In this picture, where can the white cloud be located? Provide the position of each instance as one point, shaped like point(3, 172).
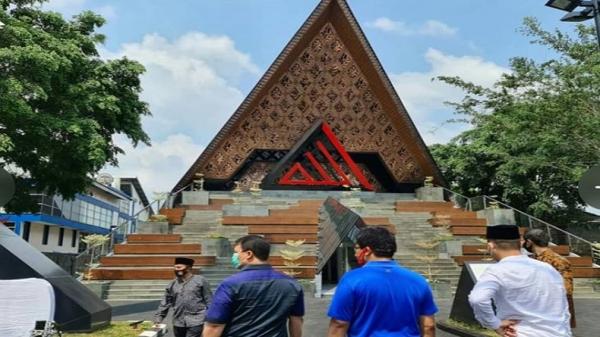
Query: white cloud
point(190, 83)
point(159, 166)
point(64, 5)
point(429, 28)
point(191, 87)
point(437, 28)
point(69, 8)
point(424, 98)
point(388, 25)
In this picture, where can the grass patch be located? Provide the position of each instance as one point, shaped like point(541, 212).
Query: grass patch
point(115, 329)
point(472, 328)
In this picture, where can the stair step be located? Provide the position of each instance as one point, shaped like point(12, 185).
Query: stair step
point(139, 298)
point(153, 238)
point(139, 273)
point(125, 291)
point(458, 222)
point(163, 248)
point(152, 260)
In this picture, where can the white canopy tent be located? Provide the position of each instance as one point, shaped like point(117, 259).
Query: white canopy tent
point(23, 302)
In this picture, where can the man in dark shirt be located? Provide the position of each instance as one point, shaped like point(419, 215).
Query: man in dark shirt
point(189, 295)
point(257, 301)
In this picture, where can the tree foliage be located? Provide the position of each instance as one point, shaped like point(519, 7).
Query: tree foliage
point(535, 132)
point(60, 103)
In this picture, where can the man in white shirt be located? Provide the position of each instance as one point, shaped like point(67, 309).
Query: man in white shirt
point(529, 295)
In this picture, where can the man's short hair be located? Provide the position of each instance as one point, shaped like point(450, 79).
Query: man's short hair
point(507, 244)
point(538, 236)
point(379, 239)
point(256, 244)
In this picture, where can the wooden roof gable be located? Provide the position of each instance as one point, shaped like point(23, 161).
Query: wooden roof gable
point(327, 71)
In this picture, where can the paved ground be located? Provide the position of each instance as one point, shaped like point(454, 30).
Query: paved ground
point(315, 322)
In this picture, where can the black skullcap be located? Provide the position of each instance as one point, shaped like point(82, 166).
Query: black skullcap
point(184, 260)
point(503, 232)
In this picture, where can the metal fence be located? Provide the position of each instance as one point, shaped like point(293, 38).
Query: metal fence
point(459, 200)
point(91, 256)
point(558, 236)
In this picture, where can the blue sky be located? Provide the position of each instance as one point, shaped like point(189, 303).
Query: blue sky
point(203, 58)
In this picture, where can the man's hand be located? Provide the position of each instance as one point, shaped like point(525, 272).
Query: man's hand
point(295, 326)
point(427, 326)
point(507, 328)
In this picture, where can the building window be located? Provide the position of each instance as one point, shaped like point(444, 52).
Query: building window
point(126, 188)
point(124, 206)
point(45, 237)
point(26, 230)
point(61, 235)
point(74, 239)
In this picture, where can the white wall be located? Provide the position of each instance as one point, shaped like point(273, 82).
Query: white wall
point(36, 234)
point(104, 196)
point(138, 206)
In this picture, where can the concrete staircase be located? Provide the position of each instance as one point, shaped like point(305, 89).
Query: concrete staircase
point(148, 256)
point(374, 208)
point(586, 288)
point(152, 290)
point(280, 215)
point(416, 251)
point(141, 268)
point(199, 224)
point(414, 236)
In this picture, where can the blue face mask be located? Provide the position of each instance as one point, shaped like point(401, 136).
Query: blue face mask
point(235, 260)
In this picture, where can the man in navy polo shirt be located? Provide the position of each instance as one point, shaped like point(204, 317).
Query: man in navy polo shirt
point(258, 301)
point(381, 299)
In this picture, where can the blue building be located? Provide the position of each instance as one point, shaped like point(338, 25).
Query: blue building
point(59, 224)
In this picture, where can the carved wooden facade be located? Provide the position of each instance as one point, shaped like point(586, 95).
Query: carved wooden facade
point(328, 72)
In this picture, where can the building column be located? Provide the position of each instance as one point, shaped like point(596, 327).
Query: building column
point(318, 285)
point(18, 227)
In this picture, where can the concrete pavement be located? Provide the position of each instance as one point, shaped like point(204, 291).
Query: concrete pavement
point(316, 320)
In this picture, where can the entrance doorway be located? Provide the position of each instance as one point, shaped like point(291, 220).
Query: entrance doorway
point(341, 261)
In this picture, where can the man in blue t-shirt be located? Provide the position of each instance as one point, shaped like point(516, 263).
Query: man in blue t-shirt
point(381, 299)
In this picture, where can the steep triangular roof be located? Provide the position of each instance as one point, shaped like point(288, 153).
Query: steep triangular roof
point(282, 97)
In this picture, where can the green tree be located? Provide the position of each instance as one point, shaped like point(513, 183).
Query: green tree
point(60, 103)
point(535, 132)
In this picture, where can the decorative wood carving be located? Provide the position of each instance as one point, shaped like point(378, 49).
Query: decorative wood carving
point(324, 83)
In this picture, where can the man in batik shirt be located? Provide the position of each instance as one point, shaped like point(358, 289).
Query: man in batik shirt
point(536, 241)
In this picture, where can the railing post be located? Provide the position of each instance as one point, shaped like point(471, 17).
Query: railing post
point(469, 205)
point(529, 220)
point(484, 202)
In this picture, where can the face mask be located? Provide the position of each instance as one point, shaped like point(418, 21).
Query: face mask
point(179, 273)
point(360, 258)
point(235, 260)
point(527, 247)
